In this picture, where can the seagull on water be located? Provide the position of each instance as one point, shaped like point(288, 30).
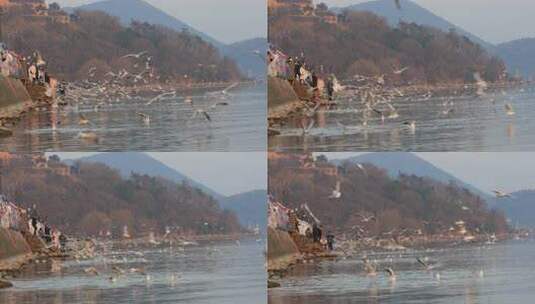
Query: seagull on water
point(509, 109)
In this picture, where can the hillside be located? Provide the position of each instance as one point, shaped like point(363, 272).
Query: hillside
point(411, 164)
point(250, 207)
point(407, 202)
point(413, 13)
point(95, 197)
point(362, 43)
point(139, 10)
point(518, 55)
point(95, 39)
point(141, 163)
point(520, 209)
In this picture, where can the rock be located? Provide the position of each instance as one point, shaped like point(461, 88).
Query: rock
point(5, 284)
point(5, 132)
point(273, 284)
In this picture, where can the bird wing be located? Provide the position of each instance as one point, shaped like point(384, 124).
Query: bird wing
point(207, 116)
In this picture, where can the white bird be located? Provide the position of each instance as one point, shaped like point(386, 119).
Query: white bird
point(509, 109)
point(336, 194)
point(501, 194)
point(390, 273)
point(91, 270)
point(401, 71)
point(480, 84)
point(161, 96)
point(411, 125)
point(202, 113)
point(144, 117)
point(306, 129)
point(138, 55)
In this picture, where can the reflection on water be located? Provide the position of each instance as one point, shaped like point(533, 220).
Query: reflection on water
point(497, 274)
point(475, 124)
point(239, 126)
point(220, 273)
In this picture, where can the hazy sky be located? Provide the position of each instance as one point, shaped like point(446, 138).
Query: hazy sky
point(225, 20)
point(225, 172)
point(493, 20)
point(486, 171)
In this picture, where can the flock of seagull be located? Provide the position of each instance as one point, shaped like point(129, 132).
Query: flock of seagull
point(122, 86)
point(376, 101)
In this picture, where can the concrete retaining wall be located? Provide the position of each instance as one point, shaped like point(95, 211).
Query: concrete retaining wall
point(282, 251)
point(12, 244)
point(14, 97)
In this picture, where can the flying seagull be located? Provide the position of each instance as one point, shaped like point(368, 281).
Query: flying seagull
point(398, 4)
point(336, 194)
point(501, 194)
point(137, 56)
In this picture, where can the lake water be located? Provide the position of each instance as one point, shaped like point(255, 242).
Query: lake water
point(216, 273)
point(500, 273)
point(476, 124)
point(240, 126)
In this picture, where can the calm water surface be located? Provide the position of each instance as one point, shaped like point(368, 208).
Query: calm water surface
point(476, 124)
point(500, 273)
point(240, 126)
point(217, 273)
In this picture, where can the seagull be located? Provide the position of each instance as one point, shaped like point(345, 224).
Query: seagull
point(398, 4)
point(137, 56)
point(369, 267)
point(390, 273)
point(509, 109)
point(91, 270)
point(83, 120)
point(145, 117)
point(336, 194)
point(199, 112)
point(401, 71)
point(89, 136)
point(161, 96)
point(423, 263)
point(306, 129)
point(480, 84)
point(501, 194)
point(411, 124)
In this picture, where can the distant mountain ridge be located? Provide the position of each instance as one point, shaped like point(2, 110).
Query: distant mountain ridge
point(518, 55)
point(412, 12)
point(519, 209)
point(250, 207)
point(129, 10)
point(411, 164)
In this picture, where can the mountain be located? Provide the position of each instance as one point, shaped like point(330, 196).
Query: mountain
point(412, 12)
point(251, 63)
point(409, 163)
point(250, 207)
point(518, 55)
point(128, 10)
point(519, 209)
point(142, 163)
